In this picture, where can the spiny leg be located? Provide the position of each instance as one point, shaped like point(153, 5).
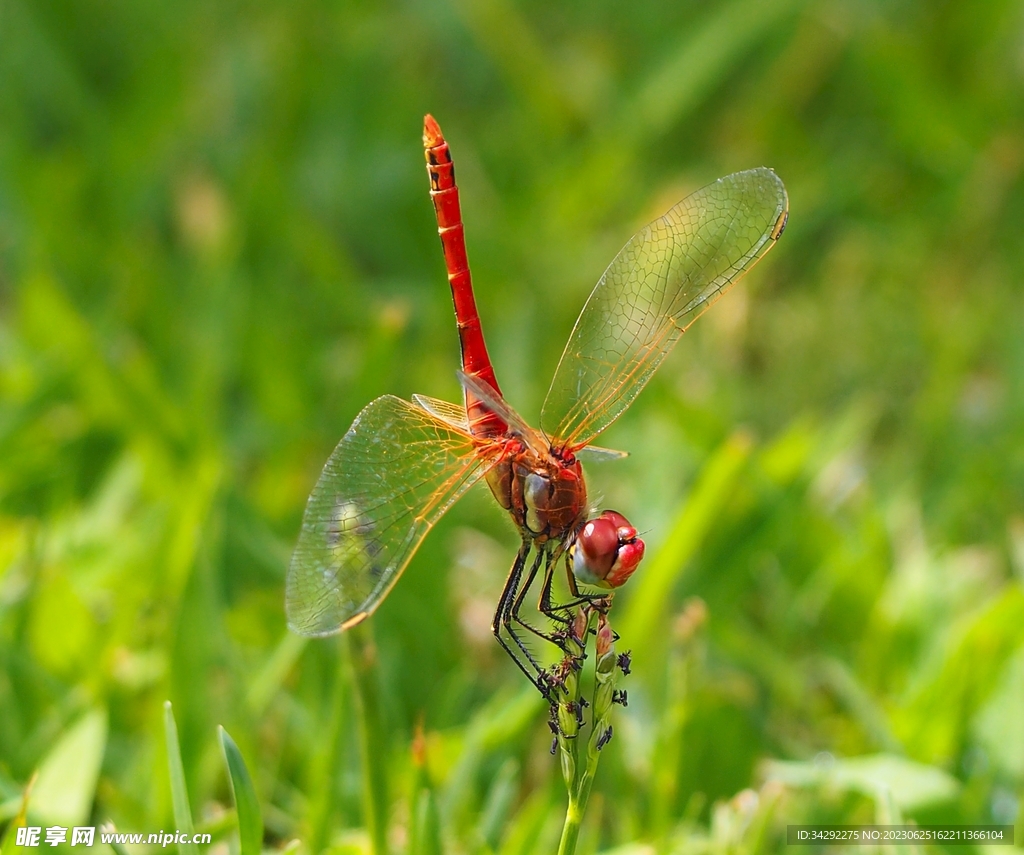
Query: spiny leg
point(512, 610)
point(501, 621)
point(548, 557)
point(558, 611)
point(544, 605)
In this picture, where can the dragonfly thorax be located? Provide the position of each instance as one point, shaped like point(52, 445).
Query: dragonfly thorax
point(545, 494)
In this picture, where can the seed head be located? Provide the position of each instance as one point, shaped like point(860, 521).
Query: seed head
point(605, 636)
point(625, 660)
point(579, 625)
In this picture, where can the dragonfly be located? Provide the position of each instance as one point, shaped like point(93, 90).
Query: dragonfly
point(403, 464)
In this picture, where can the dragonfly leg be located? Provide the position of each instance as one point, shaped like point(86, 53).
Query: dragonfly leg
point(514, 606)
point(503, 621)
point(557, 611)
point(574, 589)
point(544, 604)
point(556, 638)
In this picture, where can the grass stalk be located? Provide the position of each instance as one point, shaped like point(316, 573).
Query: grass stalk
point(179, 792)
point(568, 717)
point(373, 749)
point(323, 782)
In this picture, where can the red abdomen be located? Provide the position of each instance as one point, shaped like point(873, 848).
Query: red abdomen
point(445, 196)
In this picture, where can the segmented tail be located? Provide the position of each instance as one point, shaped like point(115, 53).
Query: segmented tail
point(445, 196)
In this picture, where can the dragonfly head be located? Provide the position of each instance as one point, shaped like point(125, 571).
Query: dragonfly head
point(606, 551)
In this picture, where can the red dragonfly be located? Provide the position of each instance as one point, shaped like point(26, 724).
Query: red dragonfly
point(403, 464)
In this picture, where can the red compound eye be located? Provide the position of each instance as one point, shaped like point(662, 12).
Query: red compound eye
point(606, 551)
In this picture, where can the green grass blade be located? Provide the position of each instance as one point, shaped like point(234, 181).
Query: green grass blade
point(525, 832)
point(119, 848)
point(668, 746)
point(690, 73)
point(644, 614)
point(8, 841)
point(425, 825)
point(887, 812)
point(66, 788)
point(498, 805)
point(373, 748)
point(179, 792)
point(506, 718)
point(268, 681)
point(323, 780)
point(424, 817)
point(250, 821)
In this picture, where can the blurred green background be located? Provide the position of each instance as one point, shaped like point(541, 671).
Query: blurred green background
point(216, 245)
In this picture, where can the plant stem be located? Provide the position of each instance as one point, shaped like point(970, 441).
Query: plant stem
point(362, 657)
point(582, 775)
point(571, 829)
point(323, 780)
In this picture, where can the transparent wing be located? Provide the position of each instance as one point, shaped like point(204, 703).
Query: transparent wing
point(660, 282)
point(453, 415)
point(392, 476)
point(597, 454)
